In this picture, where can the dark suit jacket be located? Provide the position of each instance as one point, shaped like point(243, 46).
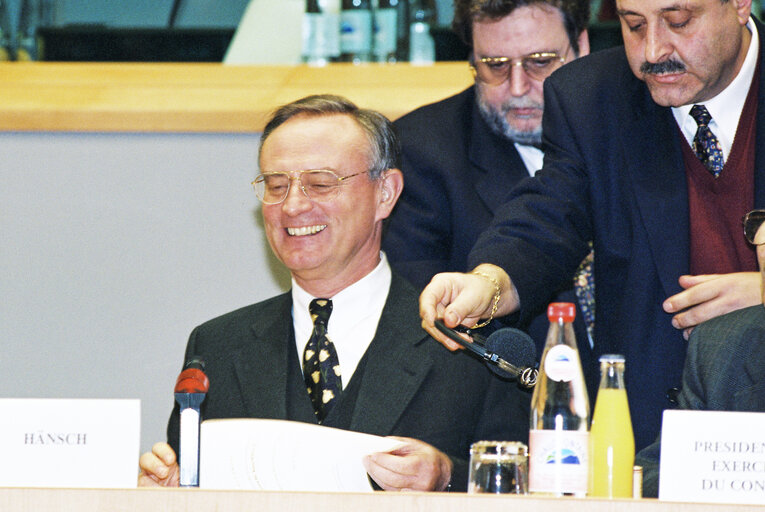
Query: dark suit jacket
point(613, 174)
point(411, 385)
point(457, 172)
point(724, 371)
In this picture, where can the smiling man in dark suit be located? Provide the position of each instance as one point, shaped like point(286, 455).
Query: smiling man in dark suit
point(344, 347)
point(654, 152)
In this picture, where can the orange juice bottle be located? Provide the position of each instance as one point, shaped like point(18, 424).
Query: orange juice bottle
point(612, 445)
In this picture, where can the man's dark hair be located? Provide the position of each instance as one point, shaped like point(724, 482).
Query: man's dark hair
point(576, 13)
point(383, 144)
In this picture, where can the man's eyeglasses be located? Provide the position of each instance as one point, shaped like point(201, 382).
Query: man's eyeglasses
point(316, 184)
point(496, 70)
point(752, 222)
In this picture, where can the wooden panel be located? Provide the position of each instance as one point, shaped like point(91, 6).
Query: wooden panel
point(134, 97)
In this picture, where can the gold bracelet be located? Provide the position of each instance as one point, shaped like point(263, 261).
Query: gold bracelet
point(496, 298)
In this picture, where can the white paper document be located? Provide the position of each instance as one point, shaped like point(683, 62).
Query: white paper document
point(69, 442)
point(713, 457)
point(285, 455)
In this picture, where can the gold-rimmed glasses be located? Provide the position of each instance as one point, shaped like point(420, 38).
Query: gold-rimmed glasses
point(316, 184)
point(752, 222)
point(497, 70)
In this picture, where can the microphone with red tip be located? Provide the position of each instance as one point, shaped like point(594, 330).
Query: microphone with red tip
point(190, 390)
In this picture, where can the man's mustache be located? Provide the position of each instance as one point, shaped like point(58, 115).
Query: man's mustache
point(514, 103)
point(659, 68)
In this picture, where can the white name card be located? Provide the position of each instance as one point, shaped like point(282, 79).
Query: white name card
point(713, 457)
point(69, 442)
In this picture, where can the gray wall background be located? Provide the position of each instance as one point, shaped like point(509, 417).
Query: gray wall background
point(112, 248)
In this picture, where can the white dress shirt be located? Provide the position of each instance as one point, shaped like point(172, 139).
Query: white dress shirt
point(532, 157)
point(726, 107)
point(356, 311)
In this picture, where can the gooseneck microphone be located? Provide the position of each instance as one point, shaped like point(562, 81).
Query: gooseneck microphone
point(190, 390)
point(501, 347)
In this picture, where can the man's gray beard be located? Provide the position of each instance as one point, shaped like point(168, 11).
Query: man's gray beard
point(497, 119)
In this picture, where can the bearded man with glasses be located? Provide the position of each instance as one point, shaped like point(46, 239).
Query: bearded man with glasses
point(461, 155)
point(343, 348)
point(725, 366)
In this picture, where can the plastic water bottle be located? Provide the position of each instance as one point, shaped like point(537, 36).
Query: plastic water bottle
point(422, 48)
point(386, 30)
point(27, 42)
point(321, 32)
point(356, 31)
point(560, 413)
point(6, 43)
point(612, 445)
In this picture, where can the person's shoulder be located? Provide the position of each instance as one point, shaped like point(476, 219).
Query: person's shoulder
point(743, 323)
point(452, 108)
point(601, 70)
point(244, 317)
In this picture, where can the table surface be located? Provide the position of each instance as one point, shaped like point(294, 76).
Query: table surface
point(147, 500)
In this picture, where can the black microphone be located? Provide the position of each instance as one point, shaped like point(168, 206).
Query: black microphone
point(190, 391)
point(501, 347)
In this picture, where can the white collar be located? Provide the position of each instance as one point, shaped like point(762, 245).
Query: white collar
point(356, 311)
point(726, 107)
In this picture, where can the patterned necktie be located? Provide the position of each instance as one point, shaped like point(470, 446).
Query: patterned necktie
point(705, 144)
point(584, 288)
point(321, 368)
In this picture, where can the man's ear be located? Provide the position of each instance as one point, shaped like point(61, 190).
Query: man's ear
point(392, 183)
point(584, 43)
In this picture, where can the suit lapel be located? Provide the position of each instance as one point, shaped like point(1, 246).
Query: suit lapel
point(261, 366)
point(759, 158)
point(496, 163)
point(653, 159)
point(395, 367)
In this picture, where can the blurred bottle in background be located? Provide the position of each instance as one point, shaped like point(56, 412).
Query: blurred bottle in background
point(612, 445)
point(402, 30)
point(321, 32)
point(560, 412)
point(27, 43)
point(422, 48)
point(6, 40)
point(386, 31)
point(356, 31)
point(33, 15)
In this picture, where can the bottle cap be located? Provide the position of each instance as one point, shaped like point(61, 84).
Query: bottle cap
point(611, 358)
point(565, 311)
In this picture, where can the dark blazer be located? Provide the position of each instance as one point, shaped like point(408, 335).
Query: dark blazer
point(457, 172)
point(613, 174)
point(410, 385)
point(724, 371)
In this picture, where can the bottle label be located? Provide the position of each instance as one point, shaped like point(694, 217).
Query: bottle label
point(561, 363)
point(558, 461)
point(356, 31)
